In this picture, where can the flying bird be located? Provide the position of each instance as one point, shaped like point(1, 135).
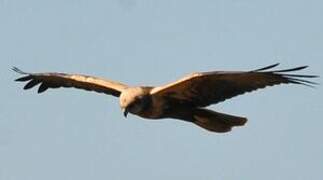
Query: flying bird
point(185, 99)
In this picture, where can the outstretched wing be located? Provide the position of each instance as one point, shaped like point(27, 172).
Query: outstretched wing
point(56, 80)
point(203, 89)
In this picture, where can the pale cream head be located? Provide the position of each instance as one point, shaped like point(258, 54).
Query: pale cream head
point(129, 95)
point(133, 100)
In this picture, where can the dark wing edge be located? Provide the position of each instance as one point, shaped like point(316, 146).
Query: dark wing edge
point(56, 80)
point(290, 78)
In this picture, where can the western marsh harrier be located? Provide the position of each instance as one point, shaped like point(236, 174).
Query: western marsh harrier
point(184, 99)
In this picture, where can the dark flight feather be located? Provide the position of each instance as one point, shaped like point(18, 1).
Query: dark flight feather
point(206, 88)
point(56, 80)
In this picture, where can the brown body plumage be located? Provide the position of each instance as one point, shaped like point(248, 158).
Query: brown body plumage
point(184, 99)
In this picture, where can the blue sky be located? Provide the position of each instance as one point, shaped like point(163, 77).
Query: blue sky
point(72, 134)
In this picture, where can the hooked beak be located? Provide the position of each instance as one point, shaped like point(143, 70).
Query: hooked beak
point(125, 112)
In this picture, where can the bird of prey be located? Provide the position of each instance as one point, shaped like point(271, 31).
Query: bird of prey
point(185, 99)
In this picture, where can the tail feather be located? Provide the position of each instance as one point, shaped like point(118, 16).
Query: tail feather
point(216, 122)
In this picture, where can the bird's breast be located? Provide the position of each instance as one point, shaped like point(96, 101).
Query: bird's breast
point(155, 110)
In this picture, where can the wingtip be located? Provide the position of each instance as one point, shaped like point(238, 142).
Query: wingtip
point(27, 76)
point(282, 70)
point(267, 67)
point(293, 69)
point(17, 70)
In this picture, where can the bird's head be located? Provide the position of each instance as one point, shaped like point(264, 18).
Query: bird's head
point(134, 100)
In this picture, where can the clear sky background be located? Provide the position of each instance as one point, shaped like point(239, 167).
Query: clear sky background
point(70, 134)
